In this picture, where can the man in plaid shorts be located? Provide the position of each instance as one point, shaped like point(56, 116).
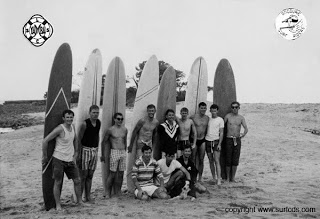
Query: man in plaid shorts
point(117, 136)
point(89, 141)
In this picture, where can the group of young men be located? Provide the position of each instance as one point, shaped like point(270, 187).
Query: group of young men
point(183, 143)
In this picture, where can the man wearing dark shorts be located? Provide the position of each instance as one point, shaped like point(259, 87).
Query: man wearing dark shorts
point(234, 122)
point(64, 156)
point(214, 139)
point(200, 120)
point(186, 126)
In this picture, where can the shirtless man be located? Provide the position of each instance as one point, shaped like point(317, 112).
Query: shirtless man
point(200, 120)
point(186, 125)
point(233, 144)
point(117, 135)
point(146, 130)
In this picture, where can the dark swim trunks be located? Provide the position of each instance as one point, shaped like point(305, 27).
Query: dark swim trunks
point(200, 141)
point(182, 144)
point(233, 151)
point(212, 146)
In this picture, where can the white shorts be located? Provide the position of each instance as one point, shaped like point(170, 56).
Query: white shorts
point(148, 189)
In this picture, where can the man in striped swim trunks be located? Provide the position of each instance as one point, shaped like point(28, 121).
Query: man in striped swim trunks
point(89, 141)
point(145, 172)
point(117, 136)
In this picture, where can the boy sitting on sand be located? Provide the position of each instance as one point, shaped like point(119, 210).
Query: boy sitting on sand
point(144, 172)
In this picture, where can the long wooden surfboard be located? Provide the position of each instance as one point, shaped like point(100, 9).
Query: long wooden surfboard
point(147, 93)
point(114, 100)
point(166, 100)
point(197, 87)
point(58, 100)
point(224, 93)
point(90, 91)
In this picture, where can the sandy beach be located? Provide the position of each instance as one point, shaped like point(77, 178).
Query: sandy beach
point(279, 171)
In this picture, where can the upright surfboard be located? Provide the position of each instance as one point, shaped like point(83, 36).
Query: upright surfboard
point(114, 100)
point(90, 91)
point(147, 93)
point(224, 93)
point(166, 100)
point(197, 87)
point(58, 99)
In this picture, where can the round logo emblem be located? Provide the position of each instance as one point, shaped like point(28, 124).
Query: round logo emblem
point(291, 23)
point(37, 30)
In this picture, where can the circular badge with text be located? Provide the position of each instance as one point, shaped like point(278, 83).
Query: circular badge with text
point(291, 23)
point(37, 30)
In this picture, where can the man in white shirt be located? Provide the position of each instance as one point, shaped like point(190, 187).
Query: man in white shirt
point(174, 174)
point(214, 139)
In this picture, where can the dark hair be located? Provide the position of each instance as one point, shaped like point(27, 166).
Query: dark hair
point(117, 114)
point(93, 107)
point(151, 106)
point(184, 109)
point(214, 106)
point(168, 111)
point(67, 112)
point(170, 153)
point(202, 104)
point(187, 147)
point(145, 148)
point(235, 102)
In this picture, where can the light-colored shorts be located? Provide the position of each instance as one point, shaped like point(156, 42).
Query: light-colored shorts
point(89, 158)
point(148, 189)
point(141, 143)
point(117, 158)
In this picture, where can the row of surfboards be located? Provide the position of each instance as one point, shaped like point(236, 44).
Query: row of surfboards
point(163, 96)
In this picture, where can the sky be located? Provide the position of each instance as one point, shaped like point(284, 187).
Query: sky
point(267, 67)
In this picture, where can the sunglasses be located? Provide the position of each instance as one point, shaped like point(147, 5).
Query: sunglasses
point(120, 119)
point(234, 107)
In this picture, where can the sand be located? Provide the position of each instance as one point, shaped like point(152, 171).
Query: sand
point(279, 168)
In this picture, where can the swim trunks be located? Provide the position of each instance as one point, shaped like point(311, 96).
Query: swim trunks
point(148, 189)
point(212, 146)
point(89, 158)
point(182, 144)
point(117, 158)
point(233, 148)
point(141, 143)
point(200, 141)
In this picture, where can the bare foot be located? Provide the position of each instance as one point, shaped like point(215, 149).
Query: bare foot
point(58, 208)
point(82, 204)
point(107, 196)
point(90, 200)
point(218, 182)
